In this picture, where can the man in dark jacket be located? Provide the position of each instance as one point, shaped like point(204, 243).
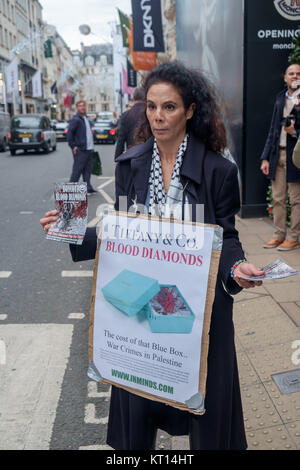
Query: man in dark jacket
point(80, 139)
point(128, 122)
point(278, 166)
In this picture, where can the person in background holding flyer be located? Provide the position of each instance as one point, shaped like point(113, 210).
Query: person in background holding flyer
point(278, 166)
point(180, 157)
point(80, 139)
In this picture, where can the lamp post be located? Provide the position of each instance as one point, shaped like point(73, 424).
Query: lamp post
point(121, 94)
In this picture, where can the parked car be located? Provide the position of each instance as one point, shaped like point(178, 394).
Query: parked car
point(31, 132)
point(107, 116)
point(104, 132)
point(61, 130)
point(91, 117)
point(4, 130)
point(53, 123)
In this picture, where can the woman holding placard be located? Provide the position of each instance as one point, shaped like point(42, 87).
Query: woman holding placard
point(180, 159)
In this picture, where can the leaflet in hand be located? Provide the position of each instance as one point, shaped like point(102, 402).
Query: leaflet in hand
point(276, 270)
point(71, 204)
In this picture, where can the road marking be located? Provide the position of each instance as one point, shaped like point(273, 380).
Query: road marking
point(5, 274)
point(96, 447)
point(111, 180)
point(93, 391)
point(90, 415)
point(106, 196)
point(3, 317)
point(26, 212)
point(101, 209)
point(31, 382)
point(2, 353)
point(76, 316)
point(94, 222)
point(77, 274)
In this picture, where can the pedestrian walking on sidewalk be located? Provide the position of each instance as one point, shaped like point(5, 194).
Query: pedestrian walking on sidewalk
point(80, 139)
point(277, 163)
point(181, 158)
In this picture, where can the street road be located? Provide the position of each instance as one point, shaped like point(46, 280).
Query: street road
point(46, 398)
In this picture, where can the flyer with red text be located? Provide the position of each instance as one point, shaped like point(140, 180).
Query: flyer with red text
point(72, 211)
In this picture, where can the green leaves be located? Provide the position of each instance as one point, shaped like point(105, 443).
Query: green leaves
point(294, 57)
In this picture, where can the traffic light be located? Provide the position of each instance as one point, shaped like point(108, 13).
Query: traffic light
point(48, 48)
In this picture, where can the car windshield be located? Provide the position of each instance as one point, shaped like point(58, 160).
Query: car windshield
point(105, 116)
point(26, 122)
point(102, 123)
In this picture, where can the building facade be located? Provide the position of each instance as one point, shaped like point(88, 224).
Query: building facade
point(43, 80)
point(169, 30)
point(59, 79)
point(31, 58)
point(21, 39)
point(8, 39)
point(120, 62)
point(95, 65)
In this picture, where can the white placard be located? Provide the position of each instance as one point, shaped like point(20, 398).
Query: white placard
point(125, 350)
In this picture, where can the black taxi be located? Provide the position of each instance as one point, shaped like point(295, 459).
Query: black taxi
point(31, 132)
point(104, 132)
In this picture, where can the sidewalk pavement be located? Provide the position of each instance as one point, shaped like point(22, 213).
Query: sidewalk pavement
point(267, 325)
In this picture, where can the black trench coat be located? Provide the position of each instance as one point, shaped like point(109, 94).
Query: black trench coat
point(211, 180)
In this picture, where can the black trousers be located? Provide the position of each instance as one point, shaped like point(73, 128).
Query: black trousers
point(83, 165)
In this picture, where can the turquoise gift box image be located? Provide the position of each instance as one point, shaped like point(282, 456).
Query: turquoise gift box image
point(130, 292)
point(163, 305)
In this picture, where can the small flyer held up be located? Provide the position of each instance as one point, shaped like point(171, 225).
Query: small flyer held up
point(72, 206)
point(150, 304)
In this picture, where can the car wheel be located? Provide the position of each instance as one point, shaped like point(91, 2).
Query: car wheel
point(4, 146)
point(13, 153)
point(46, 149)
point(54, 148)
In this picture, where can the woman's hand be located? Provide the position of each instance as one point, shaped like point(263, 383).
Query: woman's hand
point(247, 270)
point(48, 219)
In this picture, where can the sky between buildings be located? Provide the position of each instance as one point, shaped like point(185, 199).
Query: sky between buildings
point(68, 15)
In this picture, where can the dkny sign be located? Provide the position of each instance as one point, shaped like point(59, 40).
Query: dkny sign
point(147, 26)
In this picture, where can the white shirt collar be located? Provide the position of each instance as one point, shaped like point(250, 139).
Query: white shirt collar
point(294, 95)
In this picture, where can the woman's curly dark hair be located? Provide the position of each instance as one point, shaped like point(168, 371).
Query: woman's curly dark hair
point(193, 87)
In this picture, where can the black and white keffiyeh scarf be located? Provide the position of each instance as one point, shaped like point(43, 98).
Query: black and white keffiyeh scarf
point(160, 203)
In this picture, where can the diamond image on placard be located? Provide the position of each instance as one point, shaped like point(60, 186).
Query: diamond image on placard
point(168, 312)
point(169, 302)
